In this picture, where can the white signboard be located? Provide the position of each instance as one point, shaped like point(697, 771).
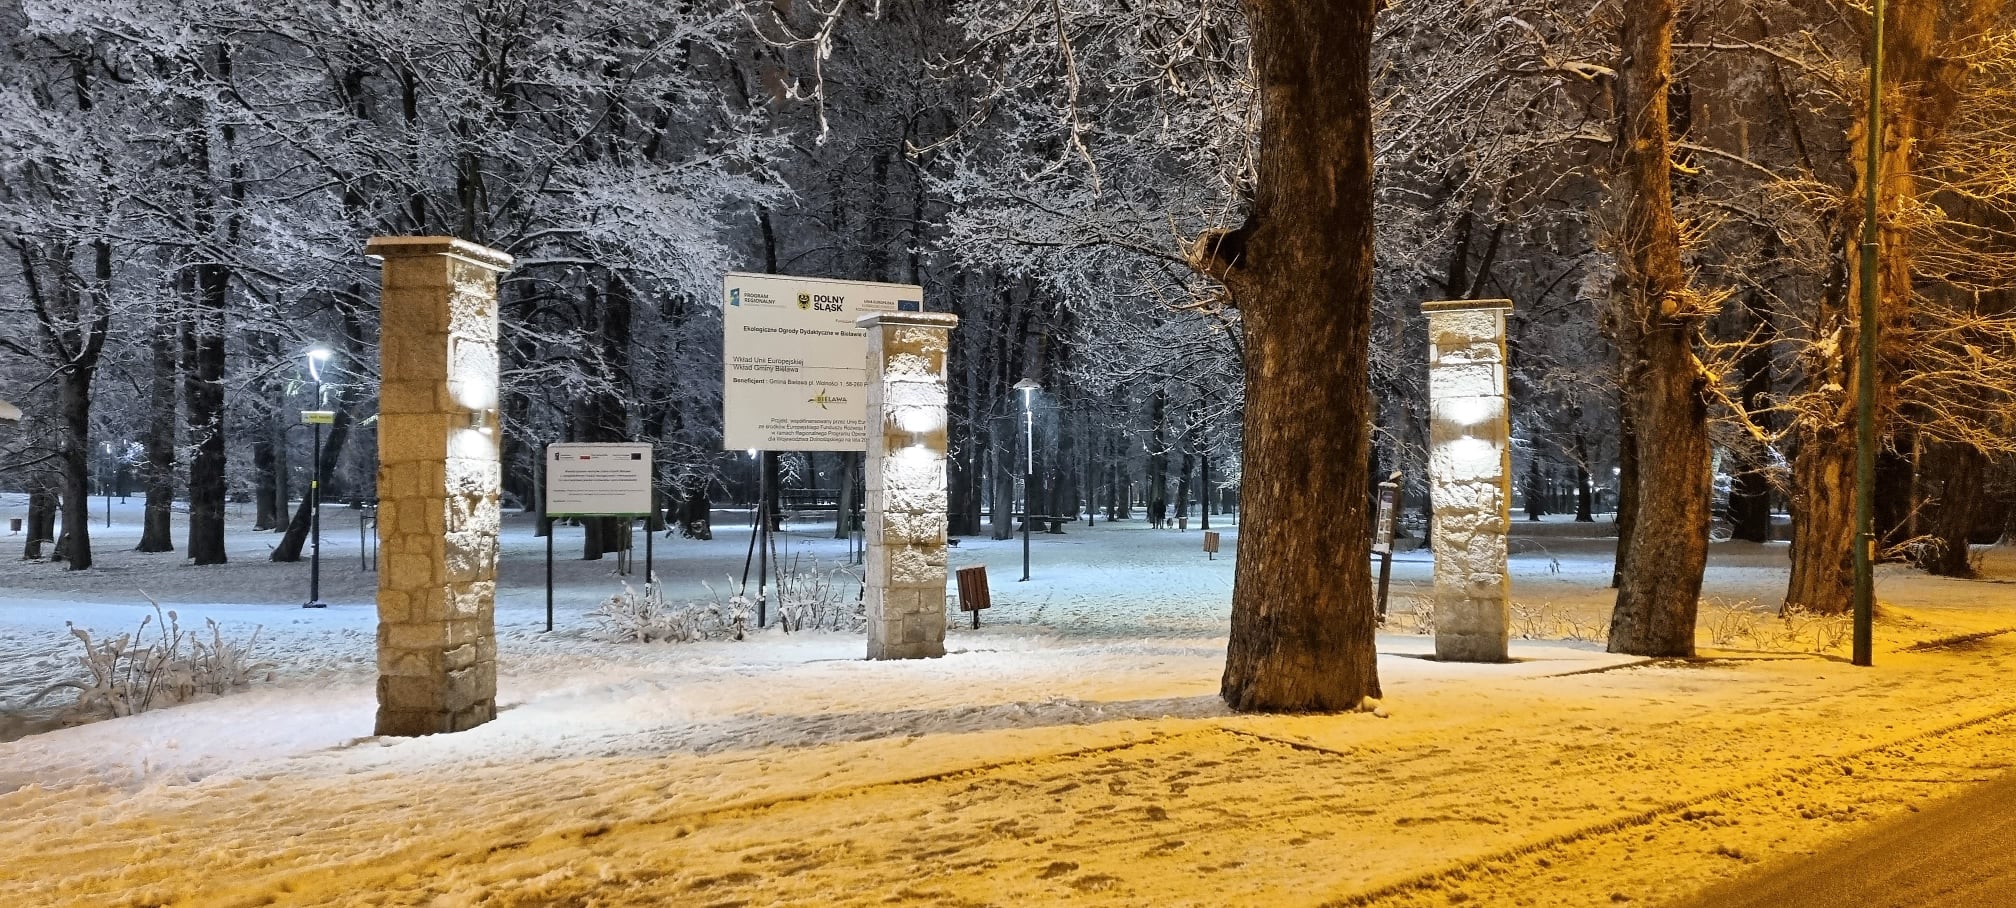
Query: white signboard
point(797, 368)
point(585, 480)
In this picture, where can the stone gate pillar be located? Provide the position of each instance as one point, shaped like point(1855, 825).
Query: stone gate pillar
point(1469, 478)
point(438, 482)
point(906, 483)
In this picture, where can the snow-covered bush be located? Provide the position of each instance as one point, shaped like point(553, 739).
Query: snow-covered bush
point(130, 674)
point(819, 598)
point(631, 616)
point(645, 618)
point(1420, 620)
point(1729, 624)
point(1792, 630)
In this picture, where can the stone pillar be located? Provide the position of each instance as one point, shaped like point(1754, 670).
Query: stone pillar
point(906, 483)
point(438, 482)
point(1469, 478)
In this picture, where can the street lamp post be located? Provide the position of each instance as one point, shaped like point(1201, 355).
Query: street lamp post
point(1864, 592)
point(1028, 387)
point(318, 355)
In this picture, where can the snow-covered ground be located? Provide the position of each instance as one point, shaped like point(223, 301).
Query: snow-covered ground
point(1071, 750)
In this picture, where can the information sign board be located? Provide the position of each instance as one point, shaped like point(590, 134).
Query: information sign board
point(594, 480)
point(796, 366)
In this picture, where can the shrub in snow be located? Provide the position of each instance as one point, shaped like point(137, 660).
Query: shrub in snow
point(644, 618)
point(1420, 620)
point(819, 598)
point(1792, 630)
point(1801, 630)
point(630, 616)
point(130, 674)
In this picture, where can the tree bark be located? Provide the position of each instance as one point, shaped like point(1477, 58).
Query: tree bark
point(1158, 457)
point(1001, 497)
point(1660, 591)
point(157, 472)
point(1951, 475)
point(203, 393)
point(1920, 87)
point(1750, 489)
point(266, 509)
point(850, 466)
point(73, 402)
point(1585, 511)
point(1536, 506)
point(1300, 269)
point(40, 527)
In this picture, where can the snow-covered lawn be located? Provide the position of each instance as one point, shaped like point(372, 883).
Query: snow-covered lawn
point(1072, 750)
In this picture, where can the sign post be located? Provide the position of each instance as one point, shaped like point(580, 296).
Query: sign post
point(597, 480)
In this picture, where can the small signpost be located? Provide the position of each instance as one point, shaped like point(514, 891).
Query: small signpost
point(1211, 545)
point(597, 480)
point(973, 594)
point(1384, 527)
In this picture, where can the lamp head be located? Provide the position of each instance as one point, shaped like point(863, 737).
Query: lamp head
point(318, 355)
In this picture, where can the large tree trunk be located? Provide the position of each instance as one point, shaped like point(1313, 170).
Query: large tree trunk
point(1585, 510)
point(844, 502)
point(1300, 269)
point(1061, 502)
point(73, 396)
point(1661, 581)
point(1920, 89)
point(1951, 478)
point(203, 392)
point(1823, 518)
point(265, 498)
point(1158, 457)
point(1206, 502)
point(157, 472)
point(1001, 492)
point(1750, 489)
point(1627, 486)
point(41, 522)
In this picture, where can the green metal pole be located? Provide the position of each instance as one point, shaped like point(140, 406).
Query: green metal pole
point(1865, 382)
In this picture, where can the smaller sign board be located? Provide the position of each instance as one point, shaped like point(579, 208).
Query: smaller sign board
point(318, 417)
point(598, 480)
point(1382, 528)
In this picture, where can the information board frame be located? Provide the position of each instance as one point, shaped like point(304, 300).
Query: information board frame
point(603, 473)
point(794, 364)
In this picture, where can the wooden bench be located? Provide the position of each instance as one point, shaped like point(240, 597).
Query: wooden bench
point(973, 595)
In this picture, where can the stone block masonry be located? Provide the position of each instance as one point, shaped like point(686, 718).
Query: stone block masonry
point(438, 484)
point(906, 483)
point(1469, 478)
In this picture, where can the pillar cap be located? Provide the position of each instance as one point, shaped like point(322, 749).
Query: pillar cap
point(944, 320)
point(1466, 306)
point(415, 246)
